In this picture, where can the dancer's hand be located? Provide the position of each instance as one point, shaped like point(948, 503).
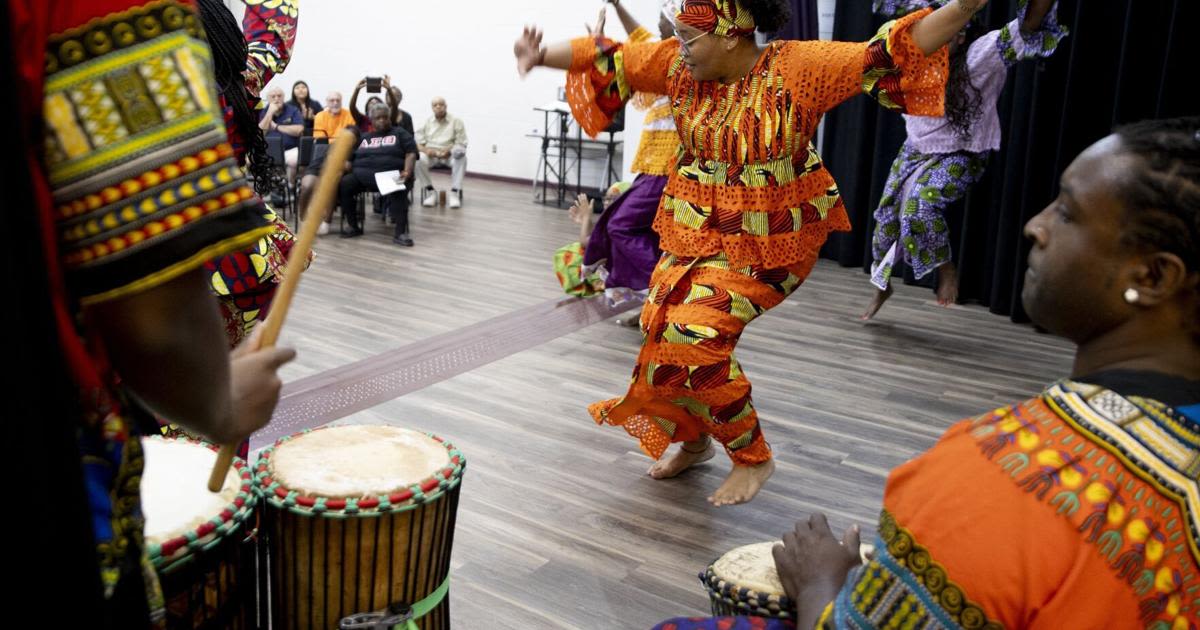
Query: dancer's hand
point(528, 50)
point(599, 30)
point(254, 383)
point(581, 208)
point(812, 565)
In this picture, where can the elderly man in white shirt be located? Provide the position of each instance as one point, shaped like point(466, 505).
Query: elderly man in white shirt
point(442, 141)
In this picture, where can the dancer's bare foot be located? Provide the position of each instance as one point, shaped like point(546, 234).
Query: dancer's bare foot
point(877, 302)
point(947, 290)
point(688, 455)
point(742, 484)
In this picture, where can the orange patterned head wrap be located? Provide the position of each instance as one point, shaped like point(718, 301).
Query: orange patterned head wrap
point(719, 17)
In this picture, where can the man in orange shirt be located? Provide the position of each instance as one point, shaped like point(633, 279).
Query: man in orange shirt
point(333, 118)
point(327, 124)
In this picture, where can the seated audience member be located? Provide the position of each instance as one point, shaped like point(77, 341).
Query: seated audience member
point(308, 106)
point(326, 124)
point(282, 120)
point(308, 183)
point(333, 119)
point(389, 149)
point(364, 121)
point(401, 117)
point(1077, 508)
point(443, 142)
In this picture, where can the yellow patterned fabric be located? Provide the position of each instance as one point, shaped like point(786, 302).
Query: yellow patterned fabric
point(659, 144)
point(658, 147)
point(136, 153)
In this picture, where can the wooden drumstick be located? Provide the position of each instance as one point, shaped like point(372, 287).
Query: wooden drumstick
point(331, 174)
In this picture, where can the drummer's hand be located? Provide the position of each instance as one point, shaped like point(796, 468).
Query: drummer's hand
point(812, 565)
point(255, 383)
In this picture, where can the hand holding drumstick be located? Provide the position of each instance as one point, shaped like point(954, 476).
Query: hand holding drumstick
point(258, 407)
point(254, 382)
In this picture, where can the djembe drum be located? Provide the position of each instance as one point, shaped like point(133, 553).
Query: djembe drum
point(744, 581)
point(360, 519)
point(200, 542)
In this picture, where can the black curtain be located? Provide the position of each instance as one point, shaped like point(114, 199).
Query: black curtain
point(803, 24)
point(1123, 61)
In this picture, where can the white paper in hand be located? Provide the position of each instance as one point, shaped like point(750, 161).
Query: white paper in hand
point(389, 182)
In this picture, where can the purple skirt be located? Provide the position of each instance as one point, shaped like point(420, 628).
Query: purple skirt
point(625, 238)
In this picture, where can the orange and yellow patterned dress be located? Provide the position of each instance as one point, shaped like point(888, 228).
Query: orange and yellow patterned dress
point(745, 212)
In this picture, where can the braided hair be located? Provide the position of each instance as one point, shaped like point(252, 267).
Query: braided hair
point(229, 51)
point(964, 103)
point(770, 16)
point(1162, 194)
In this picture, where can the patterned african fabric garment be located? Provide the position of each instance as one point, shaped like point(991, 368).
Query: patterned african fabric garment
point(1079, 508)
point(568, 268)
point(687, 382)
point(910, 222)
point(623, 246)
point(658, 146)
point(746, 208)
point(136, 186)
point(725, 623)
point(937, 166)
point(245, 281)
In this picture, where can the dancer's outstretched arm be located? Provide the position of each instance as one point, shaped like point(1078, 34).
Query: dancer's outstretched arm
point(1037, 12)
point(938, 28)
point(530, 53)
point(627, 20)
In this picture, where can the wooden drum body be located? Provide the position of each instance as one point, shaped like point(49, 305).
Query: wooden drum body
point(200, 543)
point(333, 552)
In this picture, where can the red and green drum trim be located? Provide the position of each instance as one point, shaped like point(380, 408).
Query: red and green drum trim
point(429, 489)
point(180, 550)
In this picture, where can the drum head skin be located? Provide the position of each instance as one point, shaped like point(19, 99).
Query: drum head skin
point(175, 496)
point(182, 517)
point(751, 567)
point(357, 461)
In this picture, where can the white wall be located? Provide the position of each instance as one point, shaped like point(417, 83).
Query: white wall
point(458, 49)
point(461, 50)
